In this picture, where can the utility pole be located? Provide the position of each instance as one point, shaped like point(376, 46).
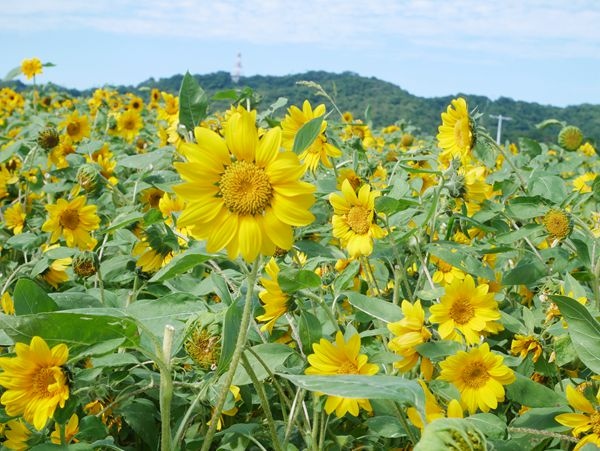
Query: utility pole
point(499, 130)
point(237, 72)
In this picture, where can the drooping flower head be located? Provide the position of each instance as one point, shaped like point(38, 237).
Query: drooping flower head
point(275, 301)
point(17, 435)
point(480, 377)
point(455, 136)
point(341, 357)
point(409, 332)
point(73, 220)
point(587, 422)
point(353, 219)
point(35, 381)
point(242, 193)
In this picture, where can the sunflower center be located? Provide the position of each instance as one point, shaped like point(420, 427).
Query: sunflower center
point(595, 421)
point(462, 133)
point(245, 188)
point(475, 375)
point(443, 266)
point(347, 368)
point(69, 219)
point(42, 381)
point(129, 124)
point(462, 311)
point(359, 219)
point(73, 128)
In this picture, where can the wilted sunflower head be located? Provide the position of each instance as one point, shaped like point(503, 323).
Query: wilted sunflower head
point(88, 177)
point(48, 138)
point(85, 264)
point(202, 341)
point(558, 224)
point(570, 138)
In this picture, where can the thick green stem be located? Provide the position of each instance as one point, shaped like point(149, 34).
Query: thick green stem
point(235, 359)
point(166, 390)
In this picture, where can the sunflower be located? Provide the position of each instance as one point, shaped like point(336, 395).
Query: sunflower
point(433, 411)
point(17, 436)
point(74, 220)
point(151, 197)
point(479, 375)
point(31, 67)
point(129, 124)
point(35, 381)
point(58, 155)
point(242, 193)
point(77, 127)
point(55, 273)
point(170, 205)
point(446, 273)
point(14, 218)
point(341, 357)
point(275, 301)
point(320, 149)
point(524, 344)
point(7, 303)
point(582, 183)
point(71, 429)
point(467, 309)
point(558, 223)
point(409, 332)
point(353, 219)
point(455, 136)
point(151, 260)
point(588, 421)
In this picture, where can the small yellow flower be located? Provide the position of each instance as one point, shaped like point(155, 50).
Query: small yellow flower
point(14, 218)
point(587, 149)
point(76, 126)
point(582, 183)
point(74, 220)
point(129, 124)
point(582, 423)
point(31, 67)
point(275, 301)
point(558, 224)
point(409, 332)
point(524, 344)
point(71, 429)
point(17, 436)
point(8, 305)
point(446, 273)
point(433, 411)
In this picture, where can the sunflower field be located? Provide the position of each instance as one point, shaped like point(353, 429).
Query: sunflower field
point(288, 277)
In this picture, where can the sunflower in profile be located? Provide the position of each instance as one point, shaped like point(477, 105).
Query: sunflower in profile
point(341, 357)
point(409, 333)
point(31, 67)
point(71, 429)
point(17, 435)
point(241, 192)
point(353, 219)
point(35, 381)
point(587, 422)
point(320, 149)
point(455, 135)
point(129, 124)
point(275, 301)
point(14, 218)
point(480, 377)
point(74, 220)
point(7, 304)
point(76, 127)
point(465, 308)
point(56, 272)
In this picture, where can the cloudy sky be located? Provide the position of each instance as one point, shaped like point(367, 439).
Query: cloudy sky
point(542, 51)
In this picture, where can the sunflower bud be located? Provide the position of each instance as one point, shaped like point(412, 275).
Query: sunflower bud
point(85, 264)
point(558, 223)
point(407, 140)
point(570, 138)
point(202, 341)
point(88, 177)
point(48, 138)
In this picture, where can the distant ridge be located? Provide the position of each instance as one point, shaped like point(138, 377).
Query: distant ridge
point(388, 103)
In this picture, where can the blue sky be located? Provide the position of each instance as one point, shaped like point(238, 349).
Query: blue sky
point(541, 51)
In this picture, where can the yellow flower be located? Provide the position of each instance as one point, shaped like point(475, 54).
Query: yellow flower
point(409, 332)
point(581, 183)
point(467, 309)
point(454, 136)
point(524, 344)
point(242, 193)
point(57, 156)
point(476, 189)
point(8, 305)
point(587, 149)
point(17, 436)
point(584, 422)
point(169, 205)
point(433, 411)
point(558, 224)
point(320, 149)
point(341, 357)
point(446, 273)
point(129, 124)
point(275, 302)
point(71, 429)
point(31, 67)
point(353, 219)
point(151, 197)
point(235, 391)
point(76, 126)
point(14, 218)
point(35, 381)
point(74, 220)
point(479, 375)
point(55, 273)
point(150, 259)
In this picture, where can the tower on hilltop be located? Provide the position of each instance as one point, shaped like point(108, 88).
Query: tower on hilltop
point(237, 71)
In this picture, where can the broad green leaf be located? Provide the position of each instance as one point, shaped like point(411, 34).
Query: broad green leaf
point(386, 426)
point(542, 418)
point(438, 350)
point(307, 134)
point(124, 220)
point(530, 147)
point(441, 433)
point(273, 355)
point(346, 278)
point(488, 423)
point(180, 264)
point(24, 241)
point(140, 414)
point(309, 329)
point(143, 160)
point(526, 272)
point(551, 187)
point(29, 298)
point(522, 208)
point(291, 280)
point(533, 394)
point(462, 258)
point(13, 73)
point(193, 102)
point(516, 235)
point(231, 330)
point(377, 308)
point(583, 329)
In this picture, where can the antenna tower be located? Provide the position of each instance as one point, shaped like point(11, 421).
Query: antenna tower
point(237, 71)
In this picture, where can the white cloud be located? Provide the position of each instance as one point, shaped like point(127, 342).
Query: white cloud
point(527, 28)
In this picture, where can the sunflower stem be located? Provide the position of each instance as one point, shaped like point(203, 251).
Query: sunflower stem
point(235, 358)
point(404, 422)
point(315, 426)
point(166, 390)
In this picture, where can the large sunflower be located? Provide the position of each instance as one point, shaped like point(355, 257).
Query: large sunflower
point(320, 149)
point(129, 124)
point(35, 381)
point(341, 357)
point(77, 127)
point(275, 301)
point(454, 135)
point(242, 193)
point(467, 309)
point(353, 219)
point(479, 375)
point(74, 220)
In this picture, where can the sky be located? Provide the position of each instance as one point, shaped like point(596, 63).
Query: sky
point(532, 50)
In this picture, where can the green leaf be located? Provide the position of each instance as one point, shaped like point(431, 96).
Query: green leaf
point(462, 258)
point(533, 394)
point(310, 330)
point(13, 73)
point(307, 134)
point(24, 241)
point(143, 160)
point(273, 356)
point(488, 423)
point(542, 418)
point(231, 330)
point(438, 350)
point(522, 208)
point(583, 329)
point(30, 298)
point(386, 426)
point(516, 235)
point(530, 147)
point(526, 272)
point(193, 102)
point(345, 280)
point(290, 280)
point(443, 432)
point(140, 414)
point(363, 387)
point(124, 220)
point(377, 308)
point(180, 264)
point(549, 187)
